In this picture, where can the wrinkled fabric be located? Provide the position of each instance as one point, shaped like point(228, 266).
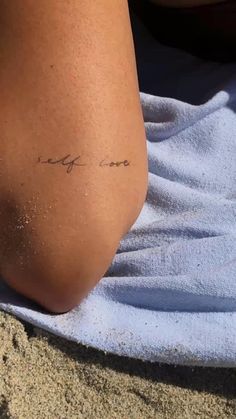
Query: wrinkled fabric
point(170, 292)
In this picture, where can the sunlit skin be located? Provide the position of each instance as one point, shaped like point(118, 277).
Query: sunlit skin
point(74, 169)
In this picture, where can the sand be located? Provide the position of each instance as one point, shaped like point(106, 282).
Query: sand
point(43, 376)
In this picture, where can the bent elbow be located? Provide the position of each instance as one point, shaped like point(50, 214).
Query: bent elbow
point(60, 283)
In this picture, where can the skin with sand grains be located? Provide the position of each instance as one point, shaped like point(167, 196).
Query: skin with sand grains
point(71, 163)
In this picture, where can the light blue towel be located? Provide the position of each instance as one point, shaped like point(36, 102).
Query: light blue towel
point(170, 293)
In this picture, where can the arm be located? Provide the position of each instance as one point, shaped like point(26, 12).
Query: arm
point(73, 149)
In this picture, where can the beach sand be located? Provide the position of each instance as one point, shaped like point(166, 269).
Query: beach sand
point(43, 376)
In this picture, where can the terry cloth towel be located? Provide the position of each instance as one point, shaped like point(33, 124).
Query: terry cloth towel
point(170, 292)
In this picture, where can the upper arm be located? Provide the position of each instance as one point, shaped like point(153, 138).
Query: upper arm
point(68, 86)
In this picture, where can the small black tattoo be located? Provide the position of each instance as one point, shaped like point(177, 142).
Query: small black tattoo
point(70, 164)
point(113, 163)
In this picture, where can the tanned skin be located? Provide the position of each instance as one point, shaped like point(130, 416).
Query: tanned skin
point(73, 157)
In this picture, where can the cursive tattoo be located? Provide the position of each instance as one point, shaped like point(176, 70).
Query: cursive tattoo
point(71, 163)
point(113, 163)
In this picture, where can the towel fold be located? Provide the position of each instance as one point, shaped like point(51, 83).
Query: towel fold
point(170, 292)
